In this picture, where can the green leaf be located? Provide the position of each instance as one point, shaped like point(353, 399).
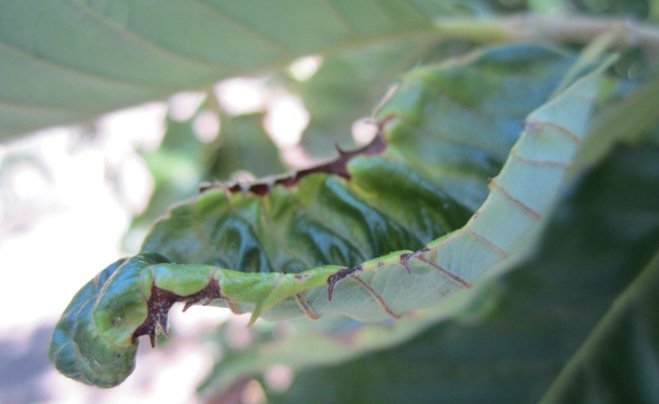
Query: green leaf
point(326, 220)
point(242, 144)
point(183, 161)
point(176, 168)
point(631, 329)
point(575, 322)
point(628, 119)
point(348, 85)
point(256, 252)
point(118, 53)
point(329, 341)
point(79, 347)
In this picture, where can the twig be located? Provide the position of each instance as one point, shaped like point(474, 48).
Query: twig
point(529, 27)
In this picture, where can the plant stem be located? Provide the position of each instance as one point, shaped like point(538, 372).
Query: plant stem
point(530, 27)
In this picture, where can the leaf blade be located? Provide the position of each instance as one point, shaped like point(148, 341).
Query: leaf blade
point(122, 53)
point(222, 231)
point(538, 315)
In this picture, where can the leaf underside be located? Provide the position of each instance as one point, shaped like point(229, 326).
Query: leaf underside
point(123, 52)
point(403, 226)
point(579, 326)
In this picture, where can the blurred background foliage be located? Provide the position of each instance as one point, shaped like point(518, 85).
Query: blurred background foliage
point(574, 326)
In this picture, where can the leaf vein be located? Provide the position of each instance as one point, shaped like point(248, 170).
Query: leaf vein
point(515, 201)
point(142, 40)
point(534, 125)
point(375, 295)
point(545, 163)
point(93, 76)
point(246, 28)
point(306, 307)
point(489, 243)
point(340, 17)
point(450, 275)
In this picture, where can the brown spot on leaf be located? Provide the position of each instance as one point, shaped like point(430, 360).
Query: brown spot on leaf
point(161, 300)
point(340, 274)
point(338, 166)
point(405, 262)
point(210, 292)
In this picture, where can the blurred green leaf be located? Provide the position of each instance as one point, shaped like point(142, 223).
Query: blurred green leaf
point(347, 86)
point(618, 360)
point(639, 9)
point(118, 53)
point(176, 168)
point(242, 144)
point(629, 119)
